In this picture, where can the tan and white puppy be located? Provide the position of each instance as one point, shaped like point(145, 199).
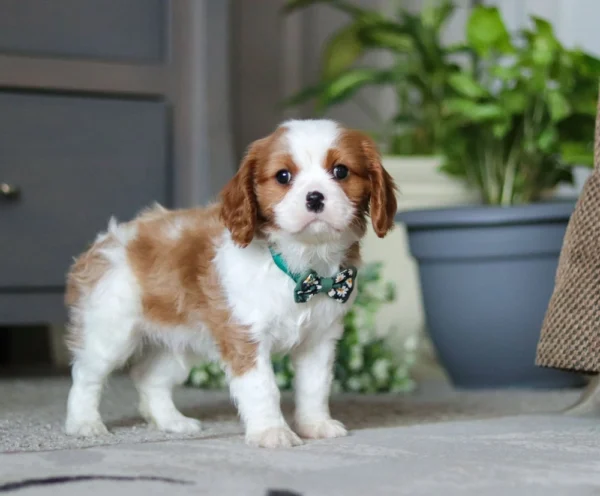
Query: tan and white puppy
point(172, 287)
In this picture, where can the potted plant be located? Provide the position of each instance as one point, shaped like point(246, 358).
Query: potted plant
point(522, 118)
point(411, 136)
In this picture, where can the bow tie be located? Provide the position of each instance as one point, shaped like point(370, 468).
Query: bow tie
point(339, 287)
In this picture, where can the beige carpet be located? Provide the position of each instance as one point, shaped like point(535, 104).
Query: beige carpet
point(32, 411)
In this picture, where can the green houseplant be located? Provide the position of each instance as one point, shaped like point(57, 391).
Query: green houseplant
point(419, 72)
point(522, 118)
point(524, 111)
point(365, 363)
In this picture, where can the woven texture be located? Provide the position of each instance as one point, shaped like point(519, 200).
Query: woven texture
point(570, 336)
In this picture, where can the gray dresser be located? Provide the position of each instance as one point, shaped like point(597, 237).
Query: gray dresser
point(105, 107)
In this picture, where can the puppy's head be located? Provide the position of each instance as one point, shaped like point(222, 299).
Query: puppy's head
point(312, 180)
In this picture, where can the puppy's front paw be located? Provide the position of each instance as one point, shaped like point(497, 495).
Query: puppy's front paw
point(86, 428)
point(321, 429)
point(275, 437)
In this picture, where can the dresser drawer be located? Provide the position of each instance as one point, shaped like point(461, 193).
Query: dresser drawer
point(132, 30)
point(76, 162)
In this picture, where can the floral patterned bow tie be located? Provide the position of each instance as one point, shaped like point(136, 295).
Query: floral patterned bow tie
point(339, 287)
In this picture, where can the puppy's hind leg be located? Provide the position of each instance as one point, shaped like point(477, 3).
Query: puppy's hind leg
point(155, 375)
point(106, 344)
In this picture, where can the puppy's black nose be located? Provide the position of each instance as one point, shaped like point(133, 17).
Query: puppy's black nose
point(314, 201)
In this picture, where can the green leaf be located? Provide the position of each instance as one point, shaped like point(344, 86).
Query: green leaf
point(545, 31)
point(501, 129)
point(582, 104)
point(385, 34)
point(548, 139)
point(345, 85)
point(434, 15)
point(558, 106)
point(453, 168)
point(506, 73)
point(589, 65)
point(576, 152)
point(486, 31)
point(342, 50)
point(544, 43)
point(514, 101)
point(464, 84)
point(580, 70)
point(458, 48)
point(339, 88)
point(473, 111)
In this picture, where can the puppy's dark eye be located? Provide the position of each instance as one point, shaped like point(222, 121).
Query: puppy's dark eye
point(340, 171)
point(283, 176)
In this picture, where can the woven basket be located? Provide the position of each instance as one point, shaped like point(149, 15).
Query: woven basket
point(570, 336)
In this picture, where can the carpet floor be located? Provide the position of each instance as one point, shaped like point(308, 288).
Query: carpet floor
point(32, 411)
point(434, 442)
point(547, 455)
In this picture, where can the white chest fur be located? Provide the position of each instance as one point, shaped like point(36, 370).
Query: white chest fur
point(261, 296)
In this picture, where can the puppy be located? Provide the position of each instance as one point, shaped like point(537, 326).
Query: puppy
point(269, 268)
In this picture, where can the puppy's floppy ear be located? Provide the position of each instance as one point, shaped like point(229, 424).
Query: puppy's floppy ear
point(239, 207)
point(383, 204)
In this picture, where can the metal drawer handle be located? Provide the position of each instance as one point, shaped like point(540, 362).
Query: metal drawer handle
point(9, 191)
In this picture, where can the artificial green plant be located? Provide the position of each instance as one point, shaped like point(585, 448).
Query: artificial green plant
point(524, 112)
point(420, 66)
point(365, 363)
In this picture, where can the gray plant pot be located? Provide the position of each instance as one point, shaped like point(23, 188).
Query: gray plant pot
point(487, 275)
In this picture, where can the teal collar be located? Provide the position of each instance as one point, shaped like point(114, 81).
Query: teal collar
point(280, 262)
point(339, 287)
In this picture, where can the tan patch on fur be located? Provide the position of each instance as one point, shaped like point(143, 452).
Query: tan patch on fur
point(180, 284)
point(356, 185)
point(353, 256)
point(269, 192)
point(247, 199)
point(84, 275)
point(368, 185)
